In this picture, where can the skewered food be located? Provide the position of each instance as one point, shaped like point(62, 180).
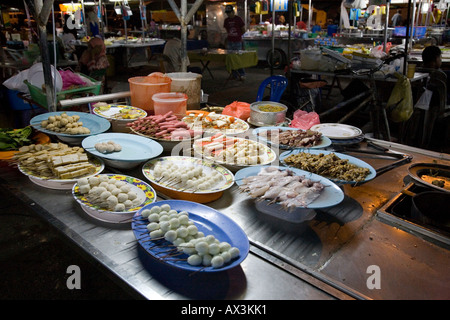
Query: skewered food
point(108, 193)
point(330, 166)
point(64, 123)
point(186, 177)
point(162, 127)
point(282, 186)
point(176, 228)
point(231, 150)
point(293, 138)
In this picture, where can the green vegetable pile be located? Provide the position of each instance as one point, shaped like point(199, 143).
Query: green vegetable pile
point(11, 139)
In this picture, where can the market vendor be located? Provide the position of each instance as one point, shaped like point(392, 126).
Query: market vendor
point(93, 61)
point(235, 27)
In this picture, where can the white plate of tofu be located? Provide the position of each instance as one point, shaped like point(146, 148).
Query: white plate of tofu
point(58, 166)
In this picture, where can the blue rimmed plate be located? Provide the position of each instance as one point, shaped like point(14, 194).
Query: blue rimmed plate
point(134, 147)
point(208, 220)
point(93, 122)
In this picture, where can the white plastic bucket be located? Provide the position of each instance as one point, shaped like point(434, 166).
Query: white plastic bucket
point(189, 83)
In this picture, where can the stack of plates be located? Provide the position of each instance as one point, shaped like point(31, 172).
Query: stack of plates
point(340, 133)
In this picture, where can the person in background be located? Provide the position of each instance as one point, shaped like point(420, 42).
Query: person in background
point(172, 49)
point(93, 61)
point(235, 27)
point(397, 18)
point(432, 62)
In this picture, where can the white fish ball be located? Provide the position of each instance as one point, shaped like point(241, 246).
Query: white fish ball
point(170, 235)
point(192, 230)
point(117, 147)
point(153, 217)
point(125, 188)
point(109, 148)
point(170, 212)
point(131, 195)
point(128, 203)
point(214, 249)
point(112, 201)
point(115, 191)
point(145, 213)
point(184, 213)
point(82, 181)
point(119, 207)
point(155, 209)
point(178, 241)
point(195, 260)
point(122, 197)
point(234, 252)
point(164, 225)
point(187, 248)
point(94, 181)
point(103, 178)
point(226, 256)
point(206, 260)
point(182, 232)
point(200, 235)
point(174, 223)
point(152, 226)
point(165, 207)
point(224, 246)
point(120, 183)
point(84, 188)
point(163, 217)
point(202, 247)
point(217, 261)
point(210, 239)
point(105, 195)
point(104, 184)
point(184, 220)
point(156, 234)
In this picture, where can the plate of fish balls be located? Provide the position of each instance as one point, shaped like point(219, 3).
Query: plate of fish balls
point(113, 198)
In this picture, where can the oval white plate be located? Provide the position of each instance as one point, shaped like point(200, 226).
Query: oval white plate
point(323, 144)
point(337, 130)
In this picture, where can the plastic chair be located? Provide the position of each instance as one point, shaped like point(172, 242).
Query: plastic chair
point(277, 86)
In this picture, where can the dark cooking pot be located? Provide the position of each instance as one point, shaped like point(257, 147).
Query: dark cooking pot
point(431, 207)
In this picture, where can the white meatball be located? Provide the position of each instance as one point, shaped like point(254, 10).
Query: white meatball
point(192, 230)
point(155, 209)
point(170, 235)
point(153, 217)
point(125, 188)
point(132, 195)
point(226, 256)
point(202, 247)
point(164, 225)
point(112, 201)
point(165, 207)
point(94, 181)
point(152, 226)
point(214, 249)
point(156, 234)
point(145, 213)
point(217, 261)
point(206, 260)
point(234, 252)
point(128, 203)
point(195, 260)
point(119, 207)
point(105, 195)
point(84, 188)
point(122, 197)
point(83, 181)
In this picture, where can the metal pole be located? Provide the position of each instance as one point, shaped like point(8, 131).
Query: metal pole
point(386, 23)
point(273, 38)
point(408, 23)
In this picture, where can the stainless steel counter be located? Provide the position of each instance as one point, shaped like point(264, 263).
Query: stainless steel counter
point(329, 257)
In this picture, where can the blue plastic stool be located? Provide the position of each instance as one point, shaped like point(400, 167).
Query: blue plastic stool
point(277, 86)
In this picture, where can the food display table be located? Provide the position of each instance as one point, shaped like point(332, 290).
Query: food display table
point(334, 256)
point(233, 59)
